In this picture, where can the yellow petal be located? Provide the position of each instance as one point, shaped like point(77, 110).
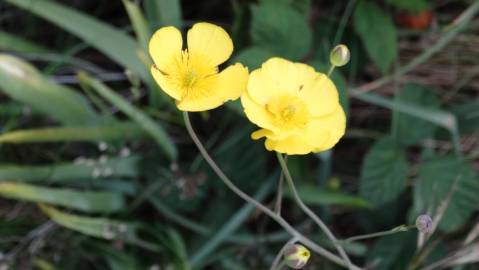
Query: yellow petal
point(260, 134)
point(320, 134)
point(172, 90)
point(294, 145)
point(277, 77)
point(214, 90)
point(334, 124)
point(165, 46)
point(321, 96)
point(256, 113)
point(210, 42)
point(232, 81)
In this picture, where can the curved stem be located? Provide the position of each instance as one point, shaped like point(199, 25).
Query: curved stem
point(301, 238)
point(281, 265)
point(277, 261)
point(310, 213)
point(402, 228)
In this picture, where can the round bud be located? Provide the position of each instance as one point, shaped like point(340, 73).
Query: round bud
point(424, 223)
point(296, 256)
point(339, 56)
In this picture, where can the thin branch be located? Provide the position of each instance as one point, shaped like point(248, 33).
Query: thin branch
point(279, 256)
point(301, 238)
point(310, 213)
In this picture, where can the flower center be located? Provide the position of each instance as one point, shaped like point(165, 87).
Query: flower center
point(289, 112)
point(189, 78)
point(189, 71)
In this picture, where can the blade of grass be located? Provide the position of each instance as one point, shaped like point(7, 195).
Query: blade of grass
point(138, 22)
point(114, 131)
point(111, 41)
point(143, 120)
point(164, 12)
point(199, 257)
point(14, 43)
point(439, 117)
point(67, 172)
point(88, 201)
point(24, 83)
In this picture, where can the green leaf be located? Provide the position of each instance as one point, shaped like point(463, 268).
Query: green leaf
point(15, 43)
point(111, 41)
point(467, 115)
point(253, 57)
point(111, 132)
point(97, 227)
point(281, 30)
point(312, 195)
point(22, 82)
point(67, 172)
point(411, 129)
point(234, 222)
point(139, 23)
point(393, 252)
point(439, 117)
point(409, 5)
point(384, 172)
point(142, 119)
point(88, 201)
point(377, 33)
point(436, 179)
point(164, 12)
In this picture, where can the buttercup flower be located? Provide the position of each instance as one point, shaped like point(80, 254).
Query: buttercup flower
point(296, 107)
point(190, 76)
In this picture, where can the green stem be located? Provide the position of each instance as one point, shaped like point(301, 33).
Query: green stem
point(330, 71)
point(281, 265)
point(301, 238)
point(278, 263)
point(402, 228)
point(310, 213)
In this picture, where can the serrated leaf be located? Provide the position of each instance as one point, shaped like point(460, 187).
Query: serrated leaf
point(377, 33)
point(384, 172)
point(281, 30)
point(411, 129)
point(88, 201)
point(436, 178)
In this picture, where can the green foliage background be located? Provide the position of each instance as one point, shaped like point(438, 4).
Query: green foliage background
point(98, 172)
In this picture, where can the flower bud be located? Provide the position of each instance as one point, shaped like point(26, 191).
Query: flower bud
point(296, 256)
point(339, 56)
point(424, 223)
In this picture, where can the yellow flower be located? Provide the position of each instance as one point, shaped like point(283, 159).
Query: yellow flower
point(297, 108)
point(190, 76)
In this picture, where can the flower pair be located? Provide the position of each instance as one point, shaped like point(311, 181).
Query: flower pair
point(296, 107)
